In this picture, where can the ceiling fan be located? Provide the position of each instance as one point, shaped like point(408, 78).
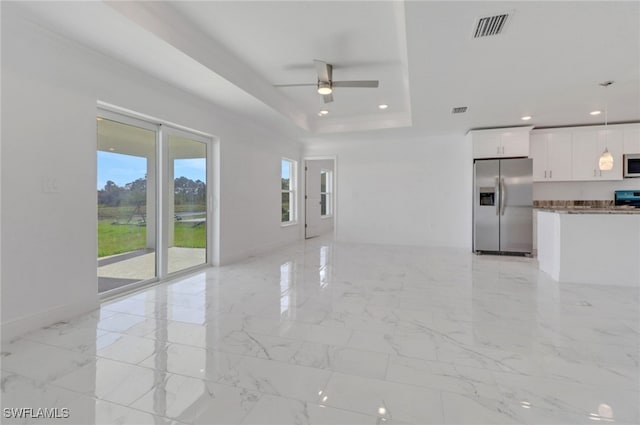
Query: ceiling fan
point(325, 83)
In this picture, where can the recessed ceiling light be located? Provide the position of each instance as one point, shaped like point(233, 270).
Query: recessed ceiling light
point(595, 112)
point(383, 106)
point(526, 118)
point(323, 112)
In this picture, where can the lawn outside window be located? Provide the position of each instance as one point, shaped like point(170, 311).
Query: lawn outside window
point(288, 172)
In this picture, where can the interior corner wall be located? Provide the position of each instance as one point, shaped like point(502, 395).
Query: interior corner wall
point(413, 191)
point(50, 89)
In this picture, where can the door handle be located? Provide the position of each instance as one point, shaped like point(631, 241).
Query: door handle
point(503, 195)
point(550, 174)
point(545, 174)
point(498, 195)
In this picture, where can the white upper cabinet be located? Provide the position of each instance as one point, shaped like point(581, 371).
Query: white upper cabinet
point(632, 139)
point(486, 144)
point(538, 152)
point(588, 145)
point(501, 143)
point(552, 156)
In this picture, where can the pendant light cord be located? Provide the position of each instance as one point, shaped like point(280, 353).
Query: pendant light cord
point(606, 85)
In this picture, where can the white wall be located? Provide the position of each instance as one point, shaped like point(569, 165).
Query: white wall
point(49, 92)
point(413, 191)
point(567, 191)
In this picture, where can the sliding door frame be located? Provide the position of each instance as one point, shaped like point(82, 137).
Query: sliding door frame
point(162, 131)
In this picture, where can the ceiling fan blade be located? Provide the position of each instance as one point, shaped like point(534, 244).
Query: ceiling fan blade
point(324, 70)
point(327, 98)
point(363, 83)
point(295, 85)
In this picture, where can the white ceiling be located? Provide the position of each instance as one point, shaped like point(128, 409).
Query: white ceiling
point(547, 63)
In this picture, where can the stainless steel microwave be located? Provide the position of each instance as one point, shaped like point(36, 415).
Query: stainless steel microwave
point(631, 165)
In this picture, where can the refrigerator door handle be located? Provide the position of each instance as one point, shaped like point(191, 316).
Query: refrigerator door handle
point(498, 195)
point(503, 195)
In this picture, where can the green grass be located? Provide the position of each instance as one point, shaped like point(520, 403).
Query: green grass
point(116, 239)
point(187, 236)
point(120, 238)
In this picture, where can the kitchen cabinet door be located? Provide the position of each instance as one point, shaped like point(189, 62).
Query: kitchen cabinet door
point(559, 156)
point(515, 143)
point(584, 159)
point(538, 153)
point(588, 145)
point(632, 139)
point(486, 144)
point(613, 140)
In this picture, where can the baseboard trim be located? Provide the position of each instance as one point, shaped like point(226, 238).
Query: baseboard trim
point(23, 325)
point(254, 252)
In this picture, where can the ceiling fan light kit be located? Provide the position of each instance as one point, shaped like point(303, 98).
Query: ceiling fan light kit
point(325, 83)
point(324, 88)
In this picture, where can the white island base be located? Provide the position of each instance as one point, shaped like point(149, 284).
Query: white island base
point(590, 247)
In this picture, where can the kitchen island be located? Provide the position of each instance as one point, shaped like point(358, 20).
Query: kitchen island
point(591, 245)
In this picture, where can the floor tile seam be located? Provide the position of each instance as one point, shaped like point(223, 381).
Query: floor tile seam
point(190, 307)
point(319, 404)
point(411, 386)
point(48, 344)
point(584, 385)
point(49, 383)
point(607, 344)
point(219, 380)
point(97, 356)
point(134, 408)
point(289, 363)
point(29, 334)
point(288, 338)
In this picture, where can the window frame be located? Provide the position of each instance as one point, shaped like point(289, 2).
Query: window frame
point(328, 193)
point(292, 191)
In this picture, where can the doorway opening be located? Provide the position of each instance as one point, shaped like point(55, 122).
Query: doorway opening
point(319, 196)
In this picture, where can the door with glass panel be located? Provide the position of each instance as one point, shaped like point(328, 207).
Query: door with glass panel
point(186, 190)
point(126, 197)
point(143, 236)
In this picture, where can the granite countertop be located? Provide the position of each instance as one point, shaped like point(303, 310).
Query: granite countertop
point(590, 210)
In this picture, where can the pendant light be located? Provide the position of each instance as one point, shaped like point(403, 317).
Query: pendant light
point(606, 159)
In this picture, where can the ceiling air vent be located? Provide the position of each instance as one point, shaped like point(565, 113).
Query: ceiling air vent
point(459, 110)
point(490, 25)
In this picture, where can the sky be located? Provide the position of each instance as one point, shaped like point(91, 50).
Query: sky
point(286, 172)
point(123, 169)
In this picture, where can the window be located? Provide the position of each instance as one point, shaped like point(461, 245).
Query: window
point(326, 209)
point(288, 183)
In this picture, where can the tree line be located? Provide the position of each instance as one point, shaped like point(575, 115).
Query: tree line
point(186, 191)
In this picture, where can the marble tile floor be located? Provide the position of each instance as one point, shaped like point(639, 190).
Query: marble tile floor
point(333, 333)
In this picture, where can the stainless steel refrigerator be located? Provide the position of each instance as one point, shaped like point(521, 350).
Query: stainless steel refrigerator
point(502, 206)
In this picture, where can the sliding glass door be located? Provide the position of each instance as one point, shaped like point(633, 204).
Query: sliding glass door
point(152, 201)
point(127, 242)
point(187, 203)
